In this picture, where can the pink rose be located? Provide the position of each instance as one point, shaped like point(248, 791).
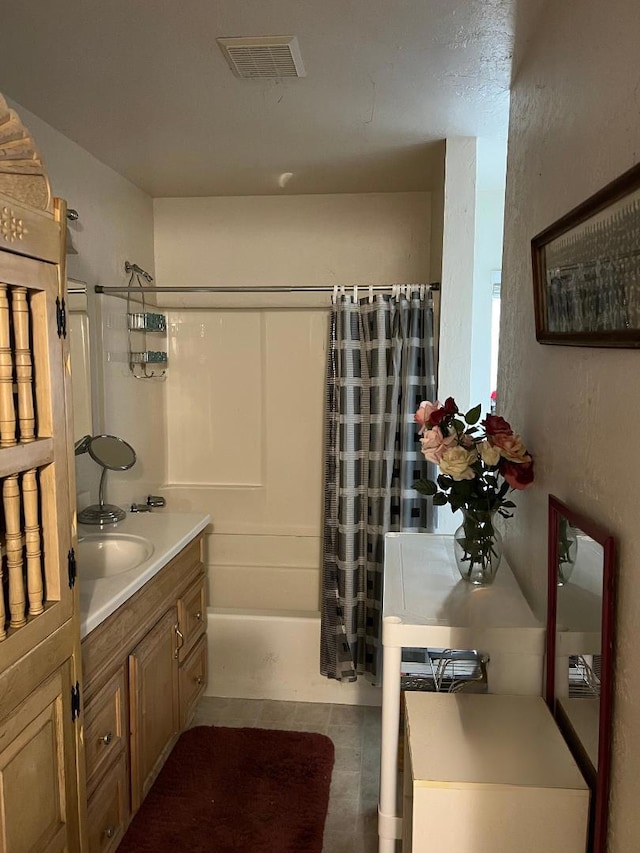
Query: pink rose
point(511, 447)
point(434, 444)
point(424, 413)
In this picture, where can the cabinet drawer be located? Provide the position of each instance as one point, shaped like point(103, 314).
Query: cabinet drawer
point(193, 680)
point(192, 615)
point(105, 725)
point(107, 810)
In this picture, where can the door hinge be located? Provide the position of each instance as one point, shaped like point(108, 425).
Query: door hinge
point(71, 558)
point(61, 317)
point(75, 702)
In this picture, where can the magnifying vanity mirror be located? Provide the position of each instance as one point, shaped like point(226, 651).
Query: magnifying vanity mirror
point(114, 454)
point(580, 639)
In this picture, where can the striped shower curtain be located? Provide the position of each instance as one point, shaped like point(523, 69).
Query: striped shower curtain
point(381, 365)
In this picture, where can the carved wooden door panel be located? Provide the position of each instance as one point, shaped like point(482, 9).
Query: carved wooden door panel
point(40, 669)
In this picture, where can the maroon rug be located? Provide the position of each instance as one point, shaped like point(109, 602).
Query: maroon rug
point(249, 790)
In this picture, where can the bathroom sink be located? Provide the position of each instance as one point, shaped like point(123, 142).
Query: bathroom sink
point(101, 555)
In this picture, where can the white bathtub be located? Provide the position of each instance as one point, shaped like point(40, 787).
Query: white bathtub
point(263, 654)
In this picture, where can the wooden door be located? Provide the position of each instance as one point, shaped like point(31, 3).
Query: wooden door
point(38, 798)
point(154, 713)
point(42, 796)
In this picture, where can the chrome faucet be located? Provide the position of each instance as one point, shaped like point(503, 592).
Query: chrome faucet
point(152, 502)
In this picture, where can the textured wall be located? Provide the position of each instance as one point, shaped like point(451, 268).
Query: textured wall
point(115, 224)
point(575, 126)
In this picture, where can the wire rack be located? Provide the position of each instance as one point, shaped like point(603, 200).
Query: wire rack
point(444, 670)
point(584, 676)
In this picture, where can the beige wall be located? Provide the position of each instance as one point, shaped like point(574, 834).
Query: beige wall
point(574, 127)
point(115, 224)
point(245, 388)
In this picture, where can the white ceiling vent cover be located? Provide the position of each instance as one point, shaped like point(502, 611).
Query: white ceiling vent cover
point(271, 57)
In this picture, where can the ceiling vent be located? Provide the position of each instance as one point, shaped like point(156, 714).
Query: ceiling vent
point(270, 57)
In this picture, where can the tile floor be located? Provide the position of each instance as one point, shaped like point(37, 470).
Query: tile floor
point(351, 825)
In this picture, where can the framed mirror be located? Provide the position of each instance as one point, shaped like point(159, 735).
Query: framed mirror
point(580, 649)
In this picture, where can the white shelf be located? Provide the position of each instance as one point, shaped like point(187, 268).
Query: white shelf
point(489, 773)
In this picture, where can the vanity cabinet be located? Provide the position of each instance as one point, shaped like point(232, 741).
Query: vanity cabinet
point(145, 668)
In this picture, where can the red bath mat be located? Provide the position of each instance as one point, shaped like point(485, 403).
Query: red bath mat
point(237, 790)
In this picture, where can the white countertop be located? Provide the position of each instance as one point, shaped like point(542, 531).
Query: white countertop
point(168, 531)
point(424, 596)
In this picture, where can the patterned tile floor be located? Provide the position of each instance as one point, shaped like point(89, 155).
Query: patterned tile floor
point(351, 825)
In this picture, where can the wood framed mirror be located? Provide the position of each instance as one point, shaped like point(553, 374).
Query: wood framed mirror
point(580, 649)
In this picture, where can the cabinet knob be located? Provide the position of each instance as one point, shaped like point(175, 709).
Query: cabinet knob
point(106, 739)
point(199, 680)
point(198, 615)
point(109, 832)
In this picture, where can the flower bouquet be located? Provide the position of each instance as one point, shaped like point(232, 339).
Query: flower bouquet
point(478, 466)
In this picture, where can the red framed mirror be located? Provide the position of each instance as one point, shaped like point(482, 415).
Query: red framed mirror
point(580, 649)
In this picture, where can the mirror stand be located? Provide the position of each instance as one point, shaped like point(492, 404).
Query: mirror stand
point(111, 453)
point(101, 513)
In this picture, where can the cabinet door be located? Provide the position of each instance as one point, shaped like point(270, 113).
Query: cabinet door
point(154, 707)
point(38, 798)
point(42, 763)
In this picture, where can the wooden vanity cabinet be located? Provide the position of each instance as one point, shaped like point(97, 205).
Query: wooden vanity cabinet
point(144, 667)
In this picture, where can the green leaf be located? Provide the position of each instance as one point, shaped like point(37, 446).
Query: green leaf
point(439, 499)
point(509, 504)
point(473, 415)
point(425, 487)
point(458, 425)
point(445, 482)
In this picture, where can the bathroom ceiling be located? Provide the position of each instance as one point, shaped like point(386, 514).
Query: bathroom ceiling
point(145, 88)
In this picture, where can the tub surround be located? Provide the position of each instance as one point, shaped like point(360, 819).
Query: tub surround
point(169, 532)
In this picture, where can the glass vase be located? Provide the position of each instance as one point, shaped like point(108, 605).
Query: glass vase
point(477, 545)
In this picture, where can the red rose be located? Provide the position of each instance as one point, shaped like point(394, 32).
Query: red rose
point(519, 475)
point(447, 410)
point(436, 417)
point(495, 425)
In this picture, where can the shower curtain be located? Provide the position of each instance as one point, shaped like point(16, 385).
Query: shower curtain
point(381, 364)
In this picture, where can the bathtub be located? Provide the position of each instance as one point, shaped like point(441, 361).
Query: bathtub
point(274, 654)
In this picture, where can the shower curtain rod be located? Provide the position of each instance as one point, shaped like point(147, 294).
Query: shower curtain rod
point(329, 288)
